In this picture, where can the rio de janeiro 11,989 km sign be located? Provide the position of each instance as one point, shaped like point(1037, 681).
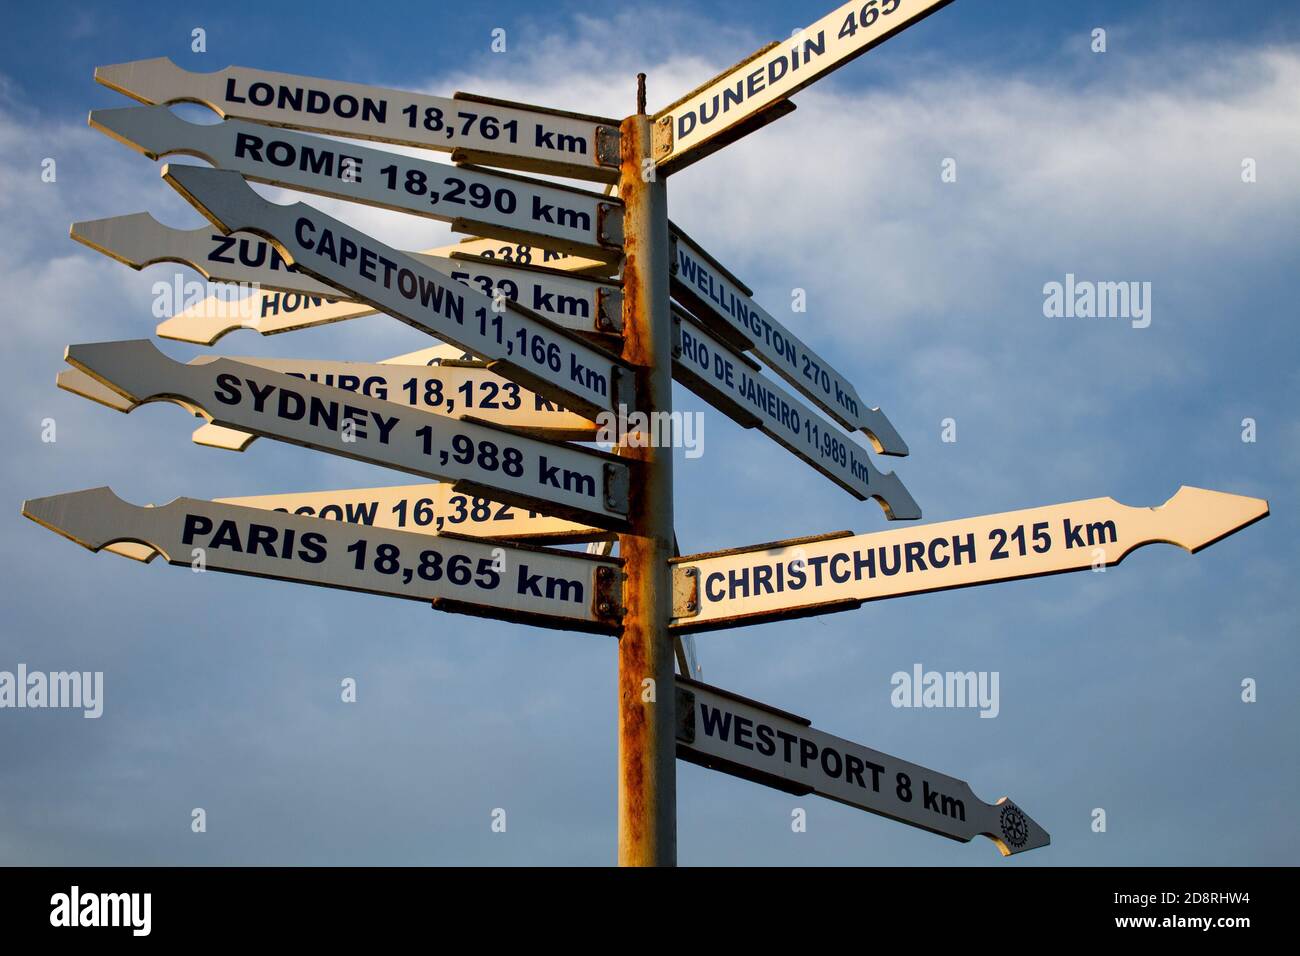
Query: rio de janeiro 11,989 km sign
point(562, 303)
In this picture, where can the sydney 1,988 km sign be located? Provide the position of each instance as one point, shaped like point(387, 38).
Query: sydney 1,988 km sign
point(561, 307)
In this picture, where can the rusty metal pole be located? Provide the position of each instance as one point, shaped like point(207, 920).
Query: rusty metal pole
point(647, 759)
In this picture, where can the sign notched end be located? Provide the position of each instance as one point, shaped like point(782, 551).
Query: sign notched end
point(87, 517)
point(221, 195)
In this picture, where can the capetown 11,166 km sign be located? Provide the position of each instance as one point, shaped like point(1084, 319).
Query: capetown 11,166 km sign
point(580, 376)
point(577, 302)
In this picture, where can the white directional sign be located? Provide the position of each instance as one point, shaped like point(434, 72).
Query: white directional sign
point(269, 313)
point(216, 436)
point(475, 129)
point(532, 351)
point(690, 128)
point(734, 385)
point(488, 204)
point(730, 733)
point(717, 298)
point(842, 571)
point(557, 479)
point(560, 589)
point(430, 509)
point(460, 390)
point(574, 302)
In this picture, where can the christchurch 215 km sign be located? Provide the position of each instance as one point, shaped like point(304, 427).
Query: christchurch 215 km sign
point(562, 305)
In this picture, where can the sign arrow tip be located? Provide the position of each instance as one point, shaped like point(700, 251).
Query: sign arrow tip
point(1195, 518)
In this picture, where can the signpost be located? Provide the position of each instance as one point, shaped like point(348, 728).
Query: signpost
point(430, 509)
point(730, 733)
point(500, 205)
point(555, 478)
point(529, 356)
point(735, 386)
point(529, 350)
point(839, 572)
point(559, 589)
point(473, 129)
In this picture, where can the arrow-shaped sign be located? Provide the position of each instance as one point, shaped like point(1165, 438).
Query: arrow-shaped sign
point(472, 200)
point(841, 571)
point(717, 298)
point(735, 386)
point(457, 390)
point(474, 129)
point(728, 105)
point(532, 351)
point(560, 589)
point(739, 736)
point(573, 302)
point(430, 509)
point(569, 481)
point(216, 436)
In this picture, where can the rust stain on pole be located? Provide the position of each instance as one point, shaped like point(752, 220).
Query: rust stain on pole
point(647, 767)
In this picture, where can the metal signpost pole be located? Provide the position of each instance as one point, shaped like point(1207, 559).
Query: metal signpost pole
point(647, 771)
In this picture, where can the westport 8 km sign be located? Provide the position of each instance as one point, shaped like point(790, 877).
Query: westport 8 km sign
point(560, 306)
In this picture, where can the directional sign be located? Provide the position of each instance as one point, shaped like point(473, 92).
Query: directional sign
point(430, 509)
point(215, 436)
point(578, 303)
point(475, 129)
point(460, 390)
point(842, 571)
point(472, 200)
point(532, 351)
point(565, 480)
point(687, 130)
point(717, 298)
point(730, 733)
point(735, 386)
point(560, 589)
point(572, 302)
point(269, 312)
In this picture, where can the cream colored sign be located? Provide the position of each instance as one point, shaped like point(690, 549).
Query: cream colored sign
point(742, 737)
point(719, 110)
point(474, 129)
point(735, 386)
point(573, 302)
point(215, 436)
point(472, 200)
point(841, 572)
point(561, 589)
point(536, 353)
point(424, 509)
point(717, 298)
point(457, 391)
point(567, 481)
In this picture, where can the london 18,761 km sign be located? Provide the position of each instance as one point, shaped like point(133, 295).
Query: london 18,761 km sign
point(566, 303)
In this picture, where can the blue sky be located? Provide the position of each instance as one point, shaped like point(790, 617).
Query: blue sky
point(1119, 691)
